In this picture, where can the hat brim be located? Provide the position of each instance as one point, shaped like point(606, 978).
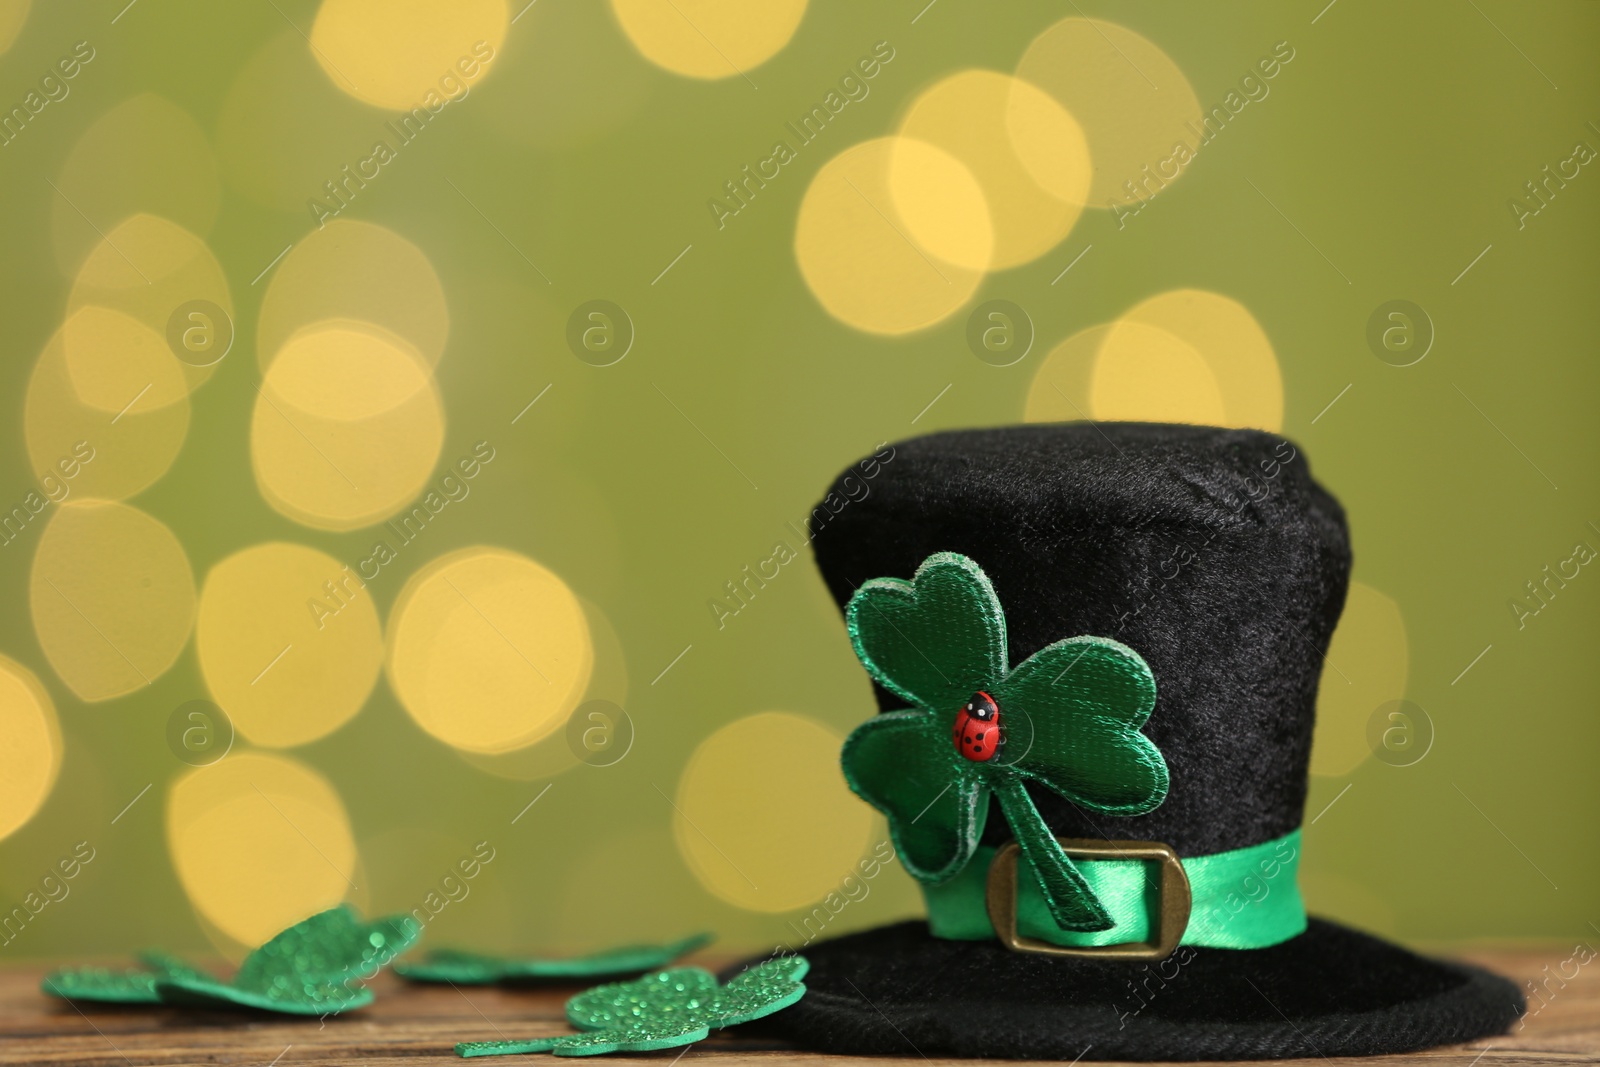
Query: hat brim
point(1331, 991)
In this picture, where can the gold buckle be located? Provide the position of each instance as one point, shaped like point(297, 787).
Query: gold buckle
point(1001, 899)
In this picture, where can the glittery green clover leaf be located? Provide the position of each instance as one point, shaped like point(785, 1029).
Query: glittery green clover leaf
point(1069, 716)
point(315, 967)
point(662, 1010)
point(471, 968)
point(107, 986)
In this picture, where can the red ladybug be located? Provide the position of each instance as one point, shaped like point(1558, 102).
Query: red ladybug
point(979, 731)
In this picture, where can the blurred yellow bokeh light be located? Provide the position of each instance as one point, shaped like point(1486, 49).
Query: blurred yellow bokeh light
point(554, 755)
point(394, 53)
point(78, 449)
point(930, 198)
point(144, 155)
point(1059, 391)
point(487, 650)
point(147, 269)
point(1233, 345)
point(709, 38)
point(764, 819)
point(852, 236)
point(1181, 356)
point(1366, 667)
point(347, 426)
point(259, 842)
point(289, 642)
point(1132, 101)
point(112, 597)
point(30, 745)
point(355, 270)
point(347, 371)
point(1145, 374)
point(116, 363)
point(1024, 149)
point(13, 15)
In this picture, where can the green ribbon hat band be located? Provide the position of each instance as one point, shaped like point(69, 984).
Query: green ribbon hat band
point(1245, 898)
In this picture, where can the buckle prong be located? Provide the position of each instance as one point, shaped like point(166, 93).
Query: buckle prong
point(1001, 899)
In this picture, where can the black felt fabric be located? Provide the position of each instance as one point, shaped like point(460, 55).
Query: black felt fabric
point(1332, 991)
point(1211, 552)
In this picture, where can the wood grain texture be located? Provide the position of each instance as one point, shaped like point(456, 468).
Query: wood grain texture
point(418, 1026)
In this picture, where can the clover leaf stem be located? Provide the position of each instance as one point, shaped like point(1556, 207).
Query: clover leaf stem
point(1072, 903)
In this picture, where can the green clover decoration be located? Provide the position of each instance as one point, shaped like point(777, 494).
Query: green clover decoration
point(314, 967)
point(122, 986)
point(1071, 715)
point(662, 1010)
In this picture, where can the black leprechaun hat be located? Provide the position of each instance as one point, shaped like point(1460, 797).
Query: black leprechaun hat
point(1096, 650)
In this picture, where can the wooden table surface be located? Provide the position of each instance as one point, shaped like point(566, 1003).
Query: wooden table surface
point(418, 1025)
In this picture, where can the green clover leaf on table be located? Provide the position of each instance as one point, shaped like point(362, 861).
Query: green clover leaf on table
point(474, 968)
point(126, 986)
point(1071, 714)
point(662, 1010)
point(312, 968)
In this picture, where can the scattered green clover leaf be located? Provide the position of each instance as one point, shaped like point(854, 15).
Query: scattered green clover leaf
point(315, 967)
point(107, 986)
point(312, 968)
point(662, 1010)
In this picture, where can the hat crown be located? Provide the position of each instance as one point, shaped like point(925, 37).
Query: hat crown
point(1211, 552)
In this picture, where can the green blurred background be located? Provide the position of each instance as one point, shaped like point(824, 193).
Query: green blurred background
point(1384, 160)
